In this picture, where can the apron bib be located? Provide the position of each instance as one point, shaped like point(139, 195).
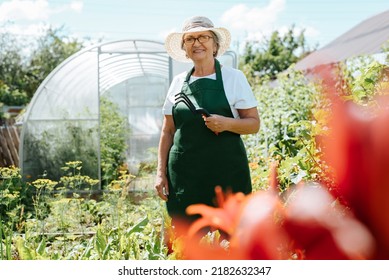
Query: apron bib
point(199, 159)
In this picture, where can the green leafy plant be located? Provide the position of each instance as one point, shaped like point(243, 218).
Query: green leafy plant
point(78, 142)
point(66, 142)
point(74, 180)
point(361, 79)
point(65, 226)
point(113, 140)
point(15, 195)
point(265, 60)
point(12, 97)
point(289, 126)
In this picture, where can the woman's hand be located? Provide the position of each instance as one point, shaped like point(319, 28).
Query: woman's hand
point(162, 187)
point(247, 123)
point(165, 142)
point(216, 123)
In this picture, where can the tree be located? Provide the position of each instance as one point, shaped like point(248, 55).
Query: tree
point(274, 55)
point(12, 63)
point(21, 73)
point(53, 48)
point(12, 97)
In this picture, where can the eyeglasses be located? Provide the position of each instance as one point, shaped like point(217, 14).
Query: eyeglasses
point(191, 40)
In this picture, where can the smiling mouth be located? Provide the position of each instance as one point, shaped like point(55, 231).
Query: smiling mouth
point(198, 51)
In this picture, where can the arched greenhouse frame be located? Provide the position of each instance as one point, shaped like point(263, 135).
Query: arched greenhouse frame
point(96, 99)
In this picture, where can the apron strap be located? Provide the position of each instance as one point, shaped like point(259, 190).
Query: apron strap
point(217, 70)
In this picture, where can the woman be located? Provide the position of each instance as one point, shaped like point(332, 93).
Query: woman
point(197, 153)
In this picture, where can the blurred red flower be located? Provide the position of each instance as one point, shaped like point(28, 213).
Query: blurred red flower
point(357, 150)
point(307, 225)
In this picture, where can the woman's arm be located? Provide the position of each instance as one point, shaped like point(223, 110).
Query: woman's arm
point(248, 122)
point(165, 142)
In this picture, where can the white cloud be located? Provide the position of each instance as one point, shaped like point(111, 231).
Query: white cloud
point(311, 32)
point(22, 9)
point(258, 23)
point(241, 18)
point(30, 17)
point(33, 10)
point(77, 6)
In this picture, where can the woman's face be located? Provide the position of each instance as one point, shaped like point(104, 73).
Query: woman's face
point(199, 51)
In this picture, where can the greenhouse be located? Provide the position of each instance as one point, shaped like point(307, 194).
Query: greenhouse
point(103, 98)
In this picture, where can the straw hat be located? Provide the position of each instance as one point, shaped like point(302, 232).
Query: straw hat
point(173, 42)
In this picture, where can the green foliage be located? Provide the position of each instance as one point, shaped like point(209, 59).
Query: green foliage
point(113, 140)
point(73, 141)
point(12, 62)
point(113, 227)
point(14, 195)
point(12, 97)
point(294, 113)
point(14, 204)
point(52, 49)
point(361, 79)
point(289, 126)
point(23, 72)
point(73, 179)
point(69, 141)
point(273, 56)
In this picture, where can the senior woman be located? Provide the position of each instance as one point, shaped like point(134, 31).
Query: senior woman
point(197, 153)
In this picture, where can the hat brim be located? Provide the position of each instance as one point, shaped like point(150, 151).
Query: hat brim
point(173, 42)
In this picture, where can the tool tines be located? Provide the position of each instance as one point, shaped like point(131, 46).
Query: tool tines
point(182, 97)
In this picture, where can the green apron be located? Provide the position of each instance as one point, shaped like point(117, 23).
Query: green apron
point(199, 159)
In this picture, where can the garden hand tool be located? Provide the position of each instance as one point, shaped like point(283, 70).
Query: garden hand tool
point(181, 97)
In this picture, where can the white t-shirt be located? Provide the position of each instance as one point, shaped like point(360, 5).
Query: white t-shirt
point(236, 88)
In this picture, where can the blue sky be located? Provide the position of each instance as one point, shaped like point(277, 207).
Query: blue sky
point(323, 20)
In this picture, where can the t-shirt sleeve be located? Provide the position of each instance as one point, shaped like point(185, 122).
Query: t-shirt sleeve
point(167, 108)
point(244, 96)
point(175, 87)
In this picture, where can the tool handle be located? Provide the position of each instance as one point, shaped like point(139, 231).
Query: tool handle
point(203, 112)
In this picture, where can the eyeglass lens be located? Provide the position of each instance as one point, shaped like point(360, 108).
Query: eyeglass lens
point(201, 39)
